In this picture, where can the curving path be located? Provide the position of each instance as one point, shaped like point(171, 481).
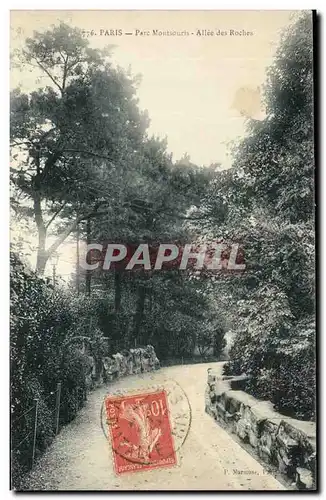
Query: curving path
point(80, 457)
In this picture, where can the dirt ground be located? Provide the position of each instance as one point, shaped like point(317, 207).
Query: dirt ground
point(80, 458)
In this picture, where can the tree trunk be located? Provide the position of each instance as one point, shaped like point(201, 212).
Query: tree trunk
point(41, 260)
point(139, 313)
point(88, 272)
point(77, 260)
point(117, 290)
point(42, 255)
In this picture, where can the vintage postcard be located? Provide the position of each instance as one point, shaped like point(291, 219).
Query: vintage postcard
point(163, 250)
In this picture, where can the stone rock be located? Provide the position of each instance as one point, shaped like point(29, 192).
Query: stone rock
point(153, 360)
point(136, 353)
point(233, 405)
point(310, 462)
point(242, 429)
point(285, 437)
point(282, 465)
point(121, 364)
point(145, 360)
point(90, 373)
point(286, 443)
point(129, 363)
point(266, 444)
point(211, 376)
point(239, 383)
point(304, 479)
point(110, 369)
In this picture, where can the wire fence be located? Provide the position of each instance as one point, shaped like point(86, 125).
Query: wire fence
point(28, 429)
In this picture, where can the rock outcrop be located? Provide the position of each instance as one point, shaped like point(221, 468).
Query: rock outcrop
point(284, 442)
point(139, 360)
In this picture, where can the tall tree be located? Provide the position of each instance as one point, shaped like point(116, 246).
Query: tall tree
point(266, 201)
point(72, 139)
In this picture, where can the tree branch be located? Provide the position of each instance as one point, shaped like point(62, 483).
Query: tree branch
point(184, 217)
point(61, 238)
point(25, 143)
point(50, 162)
point(69, 230)
point(91, 153)
point(97, 213)
point(65, 71)
point(49, 75)
point(55, 215)
point(140, 209)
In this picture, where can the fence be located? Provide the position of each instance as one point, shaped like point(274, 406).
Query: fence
point(25, 428)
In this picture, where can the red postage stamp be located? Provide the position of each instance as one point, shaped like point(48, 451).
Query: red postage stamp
point(140, 431)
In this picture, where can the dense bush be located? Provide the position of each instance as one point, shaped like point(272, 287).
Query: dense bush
point(44, 325)
point(268, 205)
point(276, 342)
point(51, 327)
point(277, 352)
point(167, 310)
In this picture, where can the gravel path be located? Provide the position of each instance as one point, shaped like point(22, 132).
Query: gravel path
point(80, 457)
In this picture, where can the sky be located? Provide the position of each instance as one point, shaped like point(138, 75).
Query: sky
point(196, 87)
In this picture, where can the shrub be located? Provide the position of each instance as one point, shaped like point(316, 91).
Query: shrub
point(277, 352)
point(48, 328)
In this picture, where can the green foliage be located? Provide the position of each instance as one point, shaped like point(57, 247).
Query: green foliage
point(76, 138)
point(82, 158)
point(277, 157)
point(266, 203)
point(165, 309)
point(44, 324)
point(73, 139)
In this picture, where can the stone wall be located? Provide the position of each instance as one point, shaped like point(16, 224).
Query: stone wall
point(128, 362)
point(284, 442)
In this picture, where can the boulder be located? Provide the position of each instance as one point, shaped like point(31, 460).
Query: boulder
point(90, 373)
point(110, 369)
point(286, 443)
point(304, 479)
point(145, 360)
point(121, 364)
point(136, 360)
point(153, 360)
